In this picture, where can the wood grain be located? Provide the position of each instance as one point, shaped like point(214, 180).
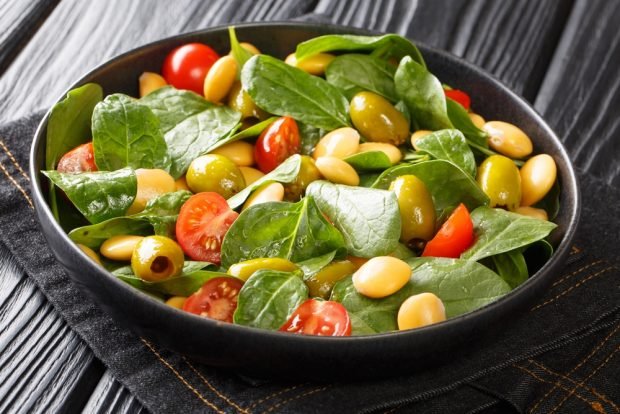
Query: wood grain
point(111, 397)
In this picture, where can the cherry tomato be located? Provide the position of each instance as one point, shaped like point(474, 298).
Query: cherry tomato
point(216, 299)
point(186, 66)
point(459, 96)
point(79, 159)
point(317, 317)
point(203, 222)
point(454, 237)
point(278, 141)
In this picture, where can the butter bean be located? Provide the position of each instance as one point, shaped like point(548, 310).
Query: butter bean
point(264, 194)
point(537, 177)
point(176, 302)
point(392, 151)
point(477, 120)
point(339, 143)
point(508, 139)
point(150, 82)
point(151, 183)
point(220, 79)
point(181, 184)
point(119, 247)
point(538, 213)
point(420, 310)
point(239, 152)
point(314, 65)
point(381, 276)
point(417, 135)
point(243, 270)
point(250, 174)
point(337, 171)
point(90, 253)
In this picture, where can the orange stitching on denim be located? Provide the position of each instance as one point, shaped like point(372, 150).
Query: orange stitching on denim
point(16, 184)
point(180, 377)
point(574, 250)
point(573, 391)
point(592, 390)
point(575, 272)
point(576, 285)
point(212, 388)
point(595, 350)
point(12, 158)
point(305, 394)
point(275, 394)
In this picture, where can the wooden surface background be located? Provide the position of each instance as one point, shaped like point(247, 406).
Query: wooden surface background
point(561, 55)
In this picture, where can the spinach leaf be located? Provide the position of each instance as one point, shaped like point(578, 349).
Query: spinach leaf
point(402, 252)
point(192, 279)
point(353, 73)
point(269, 298)
point(449, 145)
point(369, 219)
point(369, 161)
point(402, 108)
point(127, 134)
point(461, 121)
point(551, 202)
point(390, 45)
point(498, 231)
point(310, 136)
point(447, 183)
point(282, 89)
point(423, 94)
point(537, 254)
point(162, 212)
point(250, 132)
point(367, 179)
point(314, 265)
point(240, 54)
point(284, 173)
point(294, 231)
point(172, 106)
point(511, 267)
point(98, 195)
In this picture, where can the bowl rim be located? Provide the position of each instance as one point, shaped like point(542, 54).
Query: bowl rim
point(522, 291)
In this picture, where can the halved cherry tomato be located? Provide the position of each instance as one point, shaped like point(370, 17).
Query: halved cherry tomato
point(459, 96)
point(318, 317)
point(454, 237)
point(203, 222)
point(216, 299)
point(278, 141)
point(79, 159)
point(186, 66)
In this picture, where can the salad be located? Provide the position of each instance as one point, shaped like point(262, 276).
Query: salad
point(342, 191)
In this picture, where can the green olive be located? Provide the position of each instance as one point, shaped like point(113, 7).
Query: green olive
point(321, 284)
point(243, 270)
point(417, 210)
point(377, 119)
point(157, 258)
point(499, 178)
point(217, 173)
point(307, 173)
point(240, 101)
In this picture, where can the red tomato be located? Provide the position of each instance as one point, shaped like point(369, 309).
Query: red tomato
point(79, 159)
point(278, 141)
point(459, 96)
point(186, 66)
point(454, 237)
point(203, 222)
point(216, 299)
point(318, 317)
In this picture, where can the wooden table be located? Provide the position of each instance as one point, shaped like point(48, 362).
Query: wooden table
point(561, 55)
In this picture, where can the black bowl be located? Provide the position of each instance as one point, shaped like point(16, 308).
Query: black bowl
point(266, 353)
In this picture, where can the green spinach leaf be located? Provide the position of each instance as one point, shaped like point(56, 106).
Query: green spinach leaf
point(126, 134)
point(353, 73)
point(369, 219)
point(253, 131)
point(498, 231)
point(511, 267)
point(449, 145)
point(294, 231)
point(310, 136)
point(314, 265)
point(282, 89)
point(461, 121)
point(269, 298)
point(240, 54)
point(369, 161)
point(172, 106)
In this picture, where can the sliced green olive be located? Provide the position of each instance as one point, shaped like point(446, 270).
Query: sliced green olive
point(243, 270)
point(308, 172)
point(320, 284)
point(377, 119)
point(499, 178)
point(217, 173)
point(157, 258)
point(417, 210)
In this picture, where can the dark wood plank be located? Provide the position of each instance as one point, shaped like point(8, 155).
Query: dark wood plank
point(580, 95)
point(111, 397)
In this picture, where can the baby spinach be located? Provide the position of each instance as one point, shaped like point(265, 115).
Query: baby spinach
point(240, 54)
point(294, 231)
point(353, 73)
point(389, 45)
point(269, 298)
point(315, 264)
point(309, 136)
point(172, 106)
point(369, 161)
point(284, 173)
point(423, 94)
point(447, 183)
point(402, 252)
point(461, 121)
point(369, 219)
point(98, 195)
point(250, 132)
point(511, 267)
point(127, 134)
point(449, 145)
point(498, 231)
point(282, 89)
